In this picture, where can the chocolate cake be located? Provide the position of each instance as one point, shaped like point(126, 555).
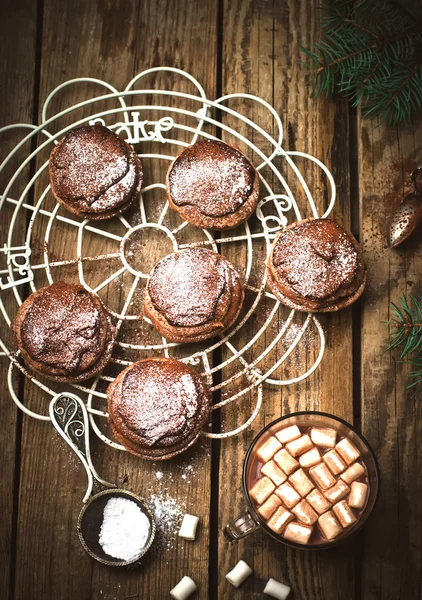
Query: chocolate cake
point(193, 295)
point(64, 332)
point(212, 185)
point(157, 407)
point(94, 173)
point(316, 266)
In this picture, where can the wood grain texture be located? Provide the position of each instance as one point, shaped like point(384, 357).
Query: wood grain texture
point(391, 416)
point(261, 55)
point(112, 42)
point(248, 46)
point(17, 74)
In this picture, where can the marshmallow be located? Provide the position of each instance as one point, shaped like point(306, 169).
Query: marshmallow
point(318, 502)
point(287, 463)
point(344, 514)
point(261, 490)
point(297, 532)
point(330, 527)
point(299, 446)
point(188, 527)
point(353, 472)
point(276, 589)
point(324, 437)
point(310, 458)
point(305, 513)
point(358, 493)
point(301, 482)
point(280, 519)
point(267, 450)
point(183, 589)
point(238, 575)
point(271, 470)
point(347, 451)
point(337, 492)
point(269, 507)
point(334, 462)
point(288, 494)
point(322, 476)
point(288, 434)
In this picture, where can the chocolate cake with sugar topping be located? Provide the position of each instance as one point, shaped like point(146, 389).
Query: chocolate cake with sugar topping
point(193, 295)
point(213, 185)
point(157, 407)
point(94, 173)
point(316, 265)
point(64, 332)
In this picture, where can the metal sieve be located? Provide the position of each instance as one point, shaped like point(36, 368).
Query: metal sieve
point(70, 417)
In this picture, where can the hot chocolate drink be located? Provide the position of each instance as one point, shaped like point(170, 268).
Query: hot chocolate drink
point(309, 484)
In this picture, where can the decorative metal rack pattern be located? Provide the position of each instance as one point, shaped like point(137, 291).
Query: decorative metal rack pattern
point(20, 270)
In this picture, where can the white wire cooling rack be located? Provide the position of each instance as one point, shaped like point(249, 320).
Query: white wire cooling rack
point(166, 132)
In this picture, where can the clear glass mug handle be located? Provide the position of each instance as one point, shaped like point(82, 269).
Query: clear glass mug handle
point(240, 527)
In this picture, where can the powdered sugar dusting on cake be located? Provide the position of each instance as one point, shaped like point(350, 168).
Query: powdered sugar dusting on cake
point(93, 171)
point(62, 328)
point(186, 286)
point(212, 176)
point(316, 259)
point(162, 402)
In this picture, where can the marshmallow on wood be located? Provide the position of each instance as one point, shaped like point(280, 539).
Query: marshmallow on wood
point(267, 450)
point(261, 490)
point(288, 494)
point(299, 446)
point(344, 514)
point(310, 458)
point(286, 462)
point(324, 436)
point(183, 589)
point(238, 575)
point(276, 589)
point(271, 470)
point(301, 482)
point(188, 527)
point(287, 434)
point(297, 532)
point(337, 492)
point(330, 527)
point(305, 513)
point(357, 496)
point(347, 451)
point(353, 472)
point(269, 507)
point(322, 476)
point(318, 502)
point(280, 519)
point(334, 462)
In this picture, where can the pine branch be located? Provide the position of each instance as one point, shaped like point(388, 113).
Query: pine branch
point(371, 52)
point(405, 330)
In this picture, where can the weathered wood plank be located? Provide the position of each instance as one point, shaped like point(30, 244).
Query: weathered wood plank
point(391, 416)
point(111, 41)
point(261, 55)
point(17, 73)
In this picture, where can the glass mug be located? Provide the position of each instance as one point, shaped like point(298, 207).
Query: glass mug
point(250, 521)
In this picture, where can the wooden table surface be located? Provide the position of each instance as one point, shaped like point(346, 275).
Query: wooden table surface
point(230, 46)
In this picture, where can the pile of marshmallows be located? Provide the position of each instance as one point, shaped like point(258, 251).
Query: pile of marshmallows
point(236, 577)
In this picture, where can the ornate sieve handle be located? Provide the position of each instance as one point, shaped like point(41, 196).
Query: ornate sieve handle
point(69, 416)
